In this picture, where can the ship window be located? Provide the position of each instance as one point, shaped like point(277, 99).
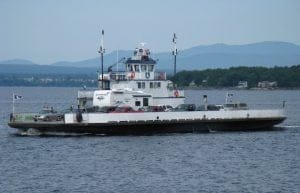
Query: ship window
point(150, 68)
point(137, 103)
point(143, 68)
point(106, 85)
point(145, 102)
point(130, 67)
point(136, 68)
point(155, 85)
point(243, 105)
point(139, 84)
point(151, 84)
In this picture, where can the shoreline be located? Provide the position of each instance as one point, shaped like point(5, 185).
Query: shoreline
point(183, 88)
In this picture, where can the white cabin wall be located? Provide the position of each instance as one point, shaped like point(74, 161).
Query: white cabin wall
point(102, 98)
point(174, 102)
point(163, 91)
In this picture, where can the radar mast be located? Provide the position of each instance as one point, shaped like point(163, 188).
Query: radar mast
point(174, 52)
point(102, 51)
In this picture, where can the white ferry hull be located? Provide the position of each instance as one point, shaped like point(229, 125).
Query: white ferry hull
point(158, 122)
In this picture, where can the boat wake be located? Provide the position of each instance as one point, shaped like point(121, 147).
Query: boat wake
point(34, 132)
point(288, 126)
point(29, 132)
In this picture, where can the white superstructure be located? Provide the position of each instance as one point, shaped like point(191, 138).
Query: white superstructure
point(138, 86)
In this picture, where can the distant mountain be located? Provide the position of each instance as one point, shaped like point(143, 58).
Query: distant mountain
point(17, 61)
point(267, 54)
point(109, 59)
point(44, 69)
point(267, 47)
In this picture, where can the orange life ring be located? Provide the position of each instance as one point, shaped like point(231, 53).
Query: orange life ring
point(132, 75)
point(176, 93)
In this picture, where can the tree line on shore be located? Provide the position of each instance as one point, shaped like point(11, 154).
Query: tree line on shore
point(49, 80)
point(286, 77)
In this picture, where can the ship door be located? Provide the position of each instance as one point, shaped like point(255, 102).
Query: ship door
point(106, 85)
point(145, 102)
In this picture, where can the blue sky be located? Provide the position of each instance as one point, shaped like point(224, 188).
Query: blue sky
point(48, 31)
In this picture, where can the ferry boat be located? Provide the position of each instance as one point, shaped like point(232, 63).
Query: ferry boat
point(140, 100)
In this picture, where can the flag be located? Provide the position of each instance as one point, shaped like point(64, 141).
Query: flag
point(17, 97)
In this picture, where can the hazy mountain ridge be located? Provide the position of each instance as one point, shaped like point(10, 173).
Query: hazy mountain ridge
point(17, 61)
point(268, 54)
point(109, 59)
point(44, 69)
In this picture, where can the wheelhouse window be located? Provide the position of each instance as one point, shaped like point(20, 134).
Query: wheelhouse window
point(143, 68)
point(150, 68)
point(136, 68)
point(129, 67)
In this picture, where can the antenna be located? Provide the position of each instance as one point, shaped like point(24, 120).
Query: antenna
point(118, 59)
point(102, 51)
point(174, 52)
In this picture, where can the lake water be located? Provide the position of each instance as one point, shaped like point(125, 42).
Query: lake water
point(266, 161)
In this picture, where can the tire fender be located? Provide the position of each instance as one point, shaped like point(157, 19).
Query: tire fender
point(79, 117)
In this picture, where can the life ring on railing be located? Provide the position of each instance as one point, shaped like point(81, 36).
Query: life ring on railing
point(147, 74)
point(79, 116)
point(132, 75)
point(176, 93)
